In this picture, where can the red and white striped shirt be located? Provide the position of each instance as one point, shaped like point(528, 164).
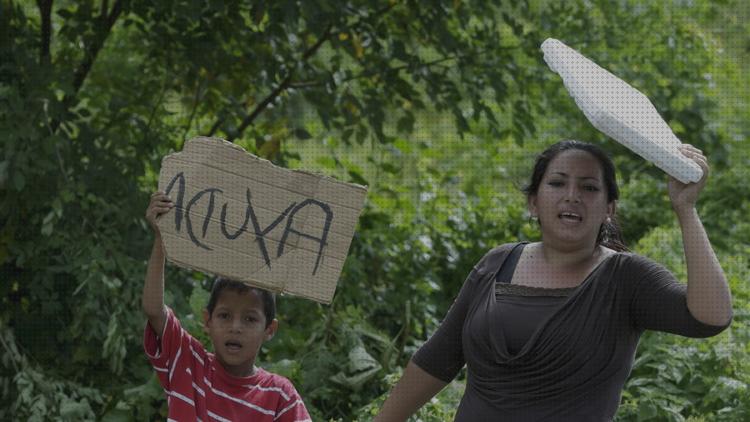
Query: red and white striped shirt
point(199, 389)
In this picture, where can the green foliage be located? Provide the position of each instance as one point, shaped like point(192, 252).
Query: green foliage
point(37, 395)
point(438, 106)
point(442, 407)
point(675, 378)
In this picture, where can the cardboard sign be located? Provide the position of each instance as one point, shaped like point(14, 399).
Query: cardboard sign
point(620, 111)
point(240, 217)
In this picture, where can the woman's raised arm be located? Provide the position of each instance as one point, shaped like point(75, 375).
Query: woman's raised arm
point(708, 296)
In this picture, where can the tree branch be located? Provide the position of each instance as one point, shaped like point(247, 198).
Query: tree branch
point(286, 83)
point(104, 26)
point(151, 117)
point(369, 73)
point(15, 358)
point(104, 8)
point(45, 12)
point(196, 99)
point(260, 107)
point(217, 124)
point(283, 86)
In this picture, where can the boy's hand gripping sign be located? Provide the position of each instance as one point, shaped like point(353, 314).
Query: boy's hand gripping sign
point(241, 217)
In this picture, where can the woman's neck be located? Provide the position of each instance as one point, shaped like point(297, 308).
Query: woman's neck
point(570, 258)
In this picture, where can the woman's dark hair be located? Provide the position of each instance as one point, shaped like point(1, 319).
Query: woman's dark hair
point(609, 233)
point(221, 284)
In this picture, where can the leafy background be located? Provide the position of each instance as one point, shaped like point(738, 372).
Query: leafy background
point(438, 106)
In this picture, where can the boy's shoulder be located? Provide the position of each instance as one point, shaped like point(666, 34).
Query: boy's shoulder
point(270, 379)
point(292, 405)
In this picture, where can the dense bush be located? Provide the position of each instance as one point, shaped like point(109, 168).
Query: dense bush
point(438, 106)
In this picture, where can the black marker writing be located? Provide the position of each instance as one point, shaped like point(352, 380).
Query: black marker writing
point(209, 212)
point(260, 233)
point(321, 240)
point(180, 177)
point(250, 216)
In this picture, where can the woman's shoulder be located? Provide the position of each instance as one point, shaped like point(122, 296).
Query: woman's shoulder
point(494, 257)
point(635, 266)
point(633, 258)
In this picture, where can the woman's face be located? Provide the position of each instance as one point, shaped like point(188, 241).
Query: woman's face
point(571, 202)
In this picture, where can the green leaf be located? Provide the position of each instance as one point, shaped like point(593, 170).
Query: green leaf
point(357, 178)
point(74, 409)
point(19, 181)
point(302, 134)
point(361, 368)
point(406, 123)
point(646, 410)
point(327, 162)
point(118, 415)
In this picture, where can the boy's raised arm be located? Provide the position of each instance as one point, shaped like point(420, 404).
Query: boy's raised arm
point(153, 287)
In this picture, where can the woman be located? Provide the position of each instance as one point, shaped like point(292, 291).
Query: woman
point(549, 330)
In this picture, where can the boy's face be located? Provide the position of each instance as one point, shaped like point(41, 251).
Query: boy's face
point(237, 328)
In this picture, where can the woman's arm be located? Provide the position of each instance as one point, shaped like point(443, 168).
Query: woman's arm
point(411, 392)
point(709, 299)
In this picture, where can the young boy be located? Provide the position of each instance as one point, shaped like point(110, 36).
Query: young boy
point(225, 386)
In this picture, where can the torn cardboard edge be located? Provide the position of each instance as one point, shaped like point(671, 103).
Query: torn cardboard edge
point(239, 216)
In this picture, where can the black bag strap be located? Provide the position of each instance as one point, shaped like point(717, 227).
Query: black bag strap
point(505, 274)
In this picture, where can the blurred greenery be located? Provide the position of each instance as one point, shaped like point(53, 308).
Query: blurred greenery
point(438, 106)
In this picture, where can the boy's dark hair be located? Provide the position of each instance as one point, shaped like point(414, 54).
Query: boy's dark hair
point(221, 284)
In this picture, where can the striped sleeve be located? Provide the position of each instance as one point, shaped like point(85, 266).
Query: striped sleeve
point(165, 351)
point(293, 408)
